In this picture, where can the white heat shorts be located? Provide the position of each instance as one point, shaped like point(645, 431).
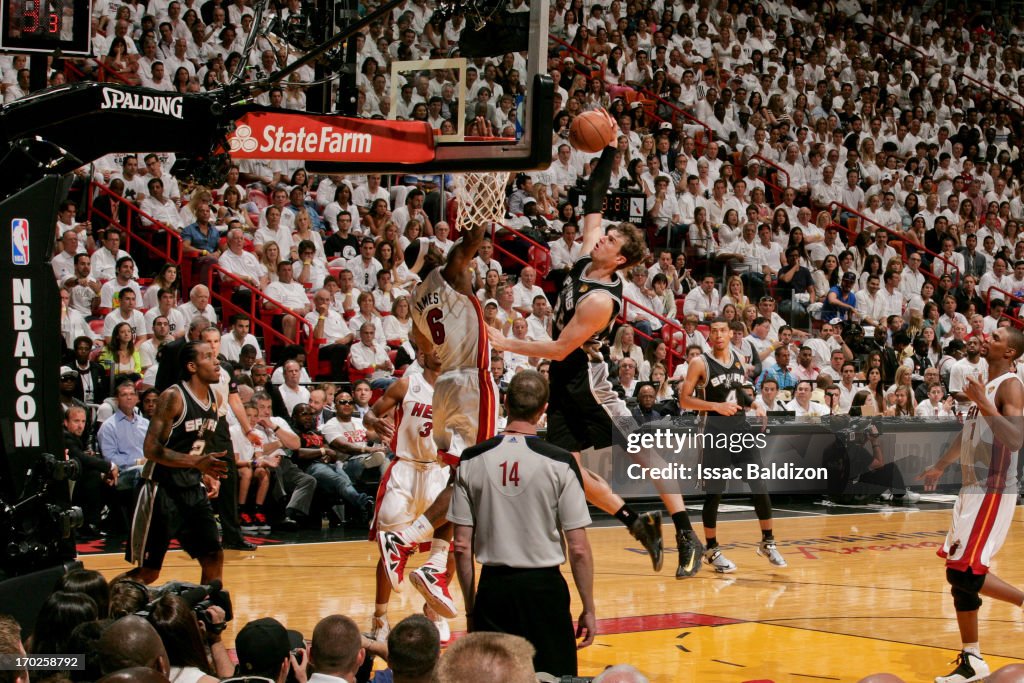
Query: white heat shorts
point(406, 491)
point(980, 523)
point(465, 409)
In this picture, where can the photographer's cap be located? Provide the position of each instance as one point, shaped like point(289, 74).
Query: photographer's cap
point(263, 644)
point(66, 371)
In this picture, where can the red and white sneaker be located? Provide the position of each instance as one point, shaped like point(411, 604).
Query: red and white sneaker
point(394, 553)
point(247, 524)
point(261, 523)
point(432, 583)
point(444, 631)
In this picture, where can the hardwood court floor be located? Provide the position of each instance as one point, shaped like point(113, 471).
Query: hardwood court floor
point(863, 593)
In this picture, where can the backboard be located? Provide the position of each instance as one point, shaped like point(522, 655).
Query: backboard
point(470, 87)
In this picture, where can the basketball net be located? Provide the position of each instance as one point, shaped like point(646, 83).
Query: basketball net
point(481, 198)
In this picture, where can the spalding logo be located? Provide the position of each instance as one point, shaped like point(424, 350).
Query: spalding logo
point(157, 104)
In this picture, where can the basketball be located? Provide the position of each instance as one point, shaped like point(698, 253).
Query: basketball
point(591, 132)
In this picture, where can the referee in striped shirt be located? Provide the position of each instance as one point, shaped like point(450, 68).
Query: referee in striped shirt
point(515, 496)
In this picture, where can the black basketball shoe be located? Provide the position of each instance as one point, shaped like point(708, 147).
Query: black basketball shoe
point(647, 530)
point(690, 550)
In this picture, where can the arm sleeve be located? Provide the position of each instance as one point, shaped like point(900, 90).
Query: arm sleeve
point(600, 178)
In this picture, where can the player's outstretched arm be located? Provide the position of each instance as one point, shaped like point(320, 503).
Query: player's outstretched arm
point(592, 316)
point(168, 408)
point(931, 476)
point(597, 188)
point(696, 374)
point(456, 268)
point(377, 417)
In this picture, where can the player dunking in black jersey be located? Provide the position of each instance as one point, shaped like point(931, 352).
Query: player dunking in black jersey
point(713, 386)
point(172, 502)
point(583, 410)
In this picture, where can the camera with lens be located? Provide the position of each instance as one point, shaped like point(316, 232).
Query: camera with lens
point(199, 598)
point(57, 469)
point(66, 520)
point(36, 530)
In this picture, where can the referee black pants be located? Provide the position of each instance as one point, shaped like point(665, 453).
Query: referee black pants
point(534, 604)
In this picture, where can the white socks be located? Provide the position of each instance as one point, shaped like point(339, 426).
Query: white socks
point(419, 531)
point(439, 553)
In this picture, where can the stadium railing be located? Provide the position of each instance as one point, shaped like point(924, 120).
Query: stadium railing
point(73, 73)
point(539, 253)
point(777, 189)
point(893, 234)
point(223, 284)
point(577, 55)
point(995, 93)
point(667, 333)
point(157, 240)
point(677, 112)
point(1007, 298)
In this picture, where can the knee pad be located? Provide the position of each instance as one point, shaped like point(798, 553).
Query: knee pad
point(964, 587)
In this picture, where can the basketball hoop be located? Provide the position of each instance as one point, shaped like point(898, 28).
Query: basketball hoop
point(481, 198)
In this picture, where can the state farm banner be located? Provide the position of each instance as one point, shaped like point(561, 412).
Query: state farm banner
point(308, 137)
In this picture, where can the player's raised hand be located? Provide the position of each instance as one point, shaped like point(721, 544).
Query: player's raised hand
point(612, 121)
point(974, 388)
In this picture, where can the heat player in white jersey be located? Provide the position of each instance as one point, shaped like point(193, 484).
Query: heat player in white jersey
point(411, 483)
point(986, 448)
point(447, 313)
point(448, 318)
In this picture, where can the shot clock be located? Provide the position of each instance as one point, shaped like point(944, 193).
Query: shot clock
point(45, 26)
point(619, 205)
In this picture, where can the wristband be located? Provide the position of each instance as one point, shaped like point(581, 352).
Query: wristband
point(323, 451)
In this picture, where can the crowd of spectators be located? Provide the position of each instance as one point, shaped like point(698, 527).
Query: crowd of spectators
point(841, 187)
point(840, 183)
point(127, 633)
